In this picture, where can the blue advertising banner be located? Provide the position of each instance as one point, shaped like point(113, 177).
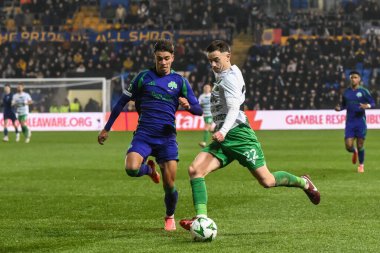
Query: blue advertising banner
point(110, 36)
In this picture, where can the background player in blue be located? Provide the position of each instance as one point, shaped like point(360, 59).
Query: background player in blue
point(356, 99)
point(157, 94)
point(8, 113)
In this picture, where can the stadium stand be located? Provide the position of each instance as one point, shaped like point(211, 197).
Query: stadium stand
point(306, 69)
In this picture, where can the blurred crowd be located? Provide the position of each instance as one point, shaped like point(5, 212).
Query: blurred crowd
point(309, 73)
point(302, 74)
point(337, 16)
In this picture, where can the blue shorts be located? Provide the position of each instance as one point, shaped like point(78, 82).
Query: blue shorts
point(163, 149)
point(356, 130)
point(10, 115)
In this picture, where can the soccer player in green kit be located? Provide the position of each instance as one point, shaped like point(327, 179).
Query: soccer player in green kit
point(233, 138)
point(204, 101)
point(21, 100)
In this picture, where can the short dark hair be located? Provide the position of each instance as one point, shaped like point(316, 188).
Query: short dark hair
point(218, 45)
point(7, 85)
point(164, 46)
point(354, 72)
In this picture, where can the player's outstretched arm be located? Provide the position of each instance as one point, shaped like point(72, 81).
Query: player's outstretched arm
point(189, 101)
point(103, 135)
point(195, 108)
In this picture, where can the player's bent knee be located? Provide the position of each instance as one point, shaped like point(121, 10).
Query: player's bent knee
point(195, 172)
point(191, 171)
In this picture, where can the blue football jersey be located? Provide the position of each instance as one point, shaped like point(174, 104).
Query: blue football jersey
point(7, 103)
point(351, 100)
point(156, 100)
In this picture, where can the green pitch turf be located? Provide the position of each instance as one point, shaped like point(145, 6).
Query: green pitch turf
point(65, 193)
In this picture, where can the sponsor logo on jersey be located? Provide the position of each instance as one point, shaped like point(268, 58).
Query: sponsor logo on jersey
point(172, 85)
point(165, 97)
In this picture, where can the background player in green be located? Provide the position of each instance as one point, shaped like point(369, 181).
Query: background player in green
point(8, 113)
point(356, 99)
point(234, 139)
point(204, 101)
point(21, 100)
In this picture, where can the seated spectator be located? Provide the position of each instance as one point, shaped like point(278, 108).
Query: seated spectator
point(120, 14)
point(143, 12)
point(81, 68)
point(108, 12)
point(128, 63)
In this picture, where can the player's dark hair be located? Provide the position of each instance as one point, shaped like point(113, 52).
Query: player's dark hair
point(354, 72)
point(164, 46)
point(218, 45)
point(7, 85)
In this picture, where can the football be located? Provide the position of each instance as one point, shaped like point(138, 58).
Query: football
point(203, 229)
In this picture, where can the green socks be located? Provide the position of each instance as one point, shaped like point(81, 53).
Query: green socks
point(25, 131)
point(198, 186)
point(206, 135)
point(284, 178)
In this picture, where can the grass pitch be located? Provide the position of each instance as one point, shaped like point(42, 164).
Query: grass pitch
point(65, 193)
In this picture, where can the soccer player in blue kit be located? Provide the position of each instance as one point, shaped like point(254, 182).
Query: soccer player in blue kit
point(8, 113)
point(157, 94)
point(356, 99)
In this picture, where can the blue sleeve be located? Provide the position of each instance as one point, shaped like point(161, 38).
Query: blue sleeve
point(124, 99)
point(128, 95)
point(136, 84)
point(188, 93)
point(369, 98)
point(196, 110)
point(343, 104)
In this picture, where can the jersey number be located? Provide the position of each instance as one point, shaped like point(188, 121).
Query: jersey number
point(251, 156)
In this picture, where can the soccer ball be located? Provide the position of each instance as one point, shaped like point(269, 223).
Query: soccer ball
point(203, 229)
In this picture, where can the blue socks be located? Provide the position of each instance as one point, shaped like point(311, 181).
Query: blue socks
point(171, 199)
point(171, 194)
point(361, 156)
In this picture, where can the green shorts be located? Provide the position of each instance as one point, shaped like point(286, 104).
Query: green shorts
point(208, 119)
point(22, 117)
point(239, 144)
